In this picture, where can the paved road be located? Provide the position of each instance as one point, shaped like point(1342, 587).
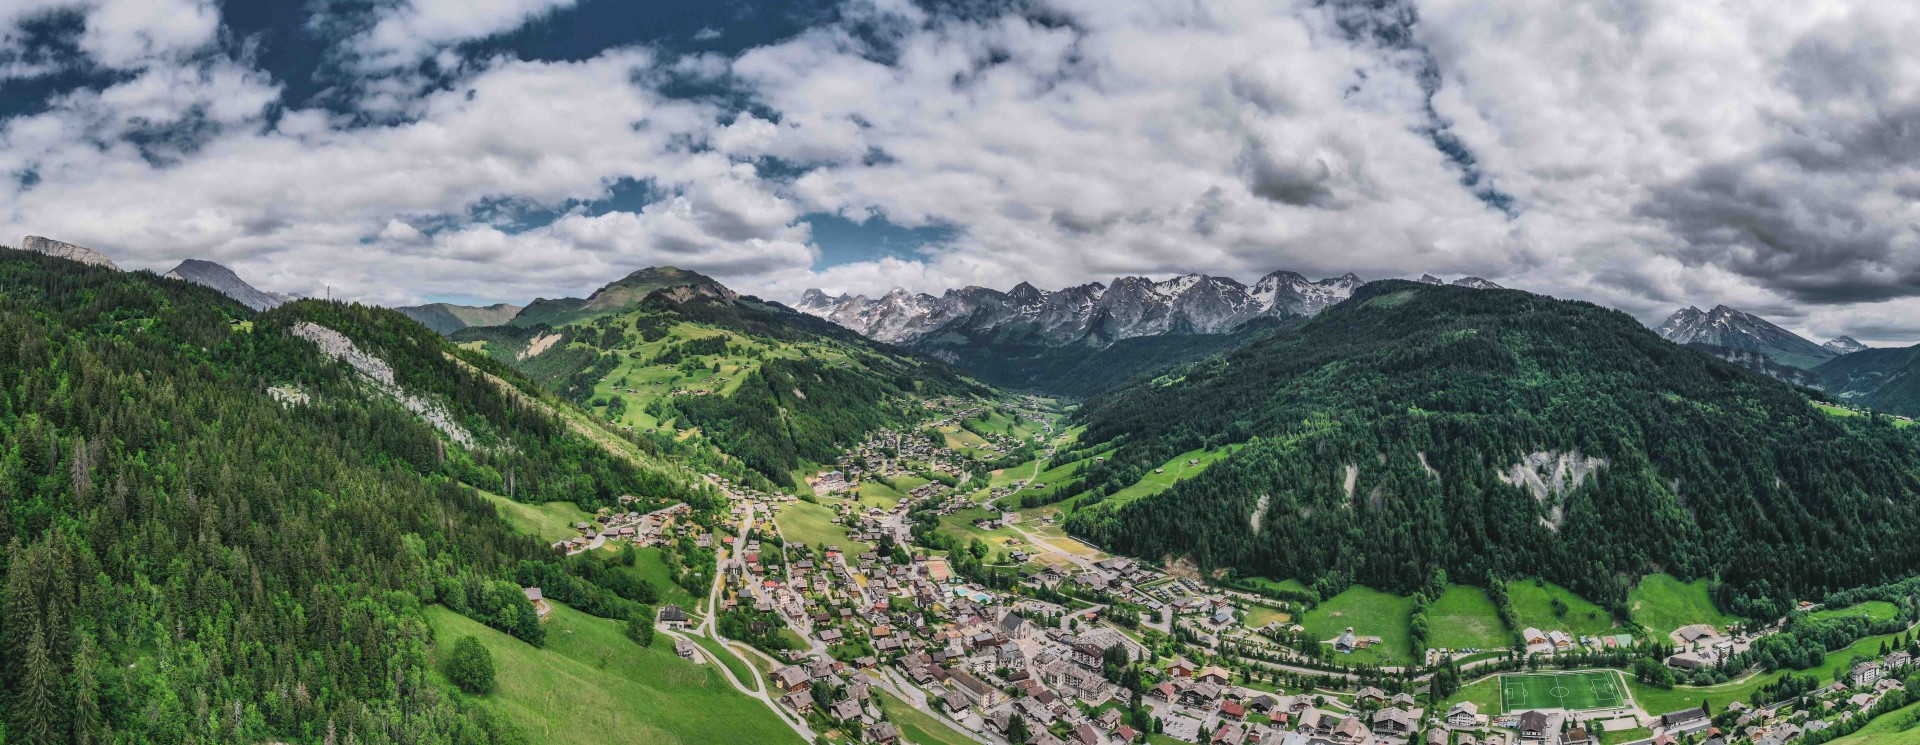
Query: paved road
point(709, 629)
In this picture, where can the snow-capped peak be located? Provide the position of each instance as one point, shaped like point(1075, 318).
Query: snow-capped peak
point(1094, 312)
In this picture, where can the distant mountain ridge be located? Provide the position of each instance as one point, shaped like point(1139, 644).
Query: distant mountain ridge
point(1093, 314)
point(447, 318)
point(223, 279)
point(1735, 329)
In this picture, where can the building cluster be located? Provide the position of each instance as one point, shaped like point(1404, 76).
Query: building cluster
point(649, 529)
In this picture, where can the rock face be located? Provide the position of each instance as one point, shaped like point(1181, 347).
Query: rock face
point(1845, 345)
point(1094, 314)
point(223, 279)
point(1734, 329)
point(336, 345)
point(52, 247)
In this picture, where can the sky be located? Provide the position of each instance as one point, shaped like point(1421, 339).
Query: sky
point(1643, 154)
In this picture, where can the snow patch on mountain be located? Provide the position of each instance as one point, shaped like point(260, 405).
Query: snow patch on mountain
point(1092, 313)
point(1845, 345)
point(1735, 329)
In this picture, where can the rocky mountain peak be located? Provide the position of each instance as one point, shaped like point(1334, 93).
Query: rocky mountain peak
point(1092, 313)
point(65, 250)
point(1845, 345)
point(221, 278)
point(1731, 328)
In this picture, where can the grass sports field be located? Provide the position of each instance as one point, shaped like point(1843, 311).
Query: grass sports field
point(1572, 691)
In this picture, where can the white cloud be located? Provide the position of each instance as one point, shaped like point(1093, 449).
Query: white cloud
point(118, 34)
point(413, 30)
point(1658, 152)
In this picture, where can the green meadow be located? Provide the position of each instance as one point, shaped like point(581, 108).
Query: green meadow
point(590, 684)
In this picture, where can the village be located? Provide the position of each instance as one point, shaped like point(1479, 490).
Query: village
point(1088, 648)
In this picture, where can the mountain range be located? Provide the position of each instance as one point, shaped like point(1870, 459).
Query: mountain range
point(1093, 314)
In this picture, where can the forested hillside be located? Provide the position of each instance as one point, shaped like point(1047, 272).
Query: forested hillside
point(1499, 433)
point(674, 355)
point(1080, 371)
point(1882, 379)
point(215, 532)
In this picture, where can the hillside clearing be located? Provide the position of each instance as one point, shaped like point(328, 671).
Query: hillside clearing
point(585, 685)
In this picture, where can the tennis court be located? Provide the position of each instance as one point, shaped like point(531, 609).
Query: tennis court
point(1572, 691)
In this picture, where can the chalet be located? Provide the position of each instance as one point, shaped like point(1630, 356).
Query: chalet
point(540, 606)
point(1351, 730)
point(1533, 726)
point(683, 648)
point(1393, 721)
point(800, 701)
point(1371, 695)
point(882, 733)
point(1232, 710)
point(673, 617)
point(792, 678)
point(846, 710)
point(1463, 714)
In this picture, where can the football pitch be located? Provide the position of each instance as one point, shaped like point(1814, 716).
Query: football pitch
point(1572, 691)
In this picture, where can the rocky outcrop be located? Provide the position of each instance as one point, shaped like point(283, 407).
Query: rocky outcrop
point(68, 251)
point(336, 345)
point(1549, 475)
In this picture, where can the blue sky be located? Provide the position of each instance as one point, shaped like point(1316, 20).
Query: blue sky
point(1647, 155)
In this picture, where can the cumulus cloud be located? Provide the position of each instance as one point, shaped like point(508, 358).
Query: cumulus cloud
point(1646, 154)
point(406, 32)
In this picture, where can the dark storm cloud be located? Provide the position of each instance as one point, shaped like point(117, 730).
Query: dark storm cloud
point(1824, 215)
